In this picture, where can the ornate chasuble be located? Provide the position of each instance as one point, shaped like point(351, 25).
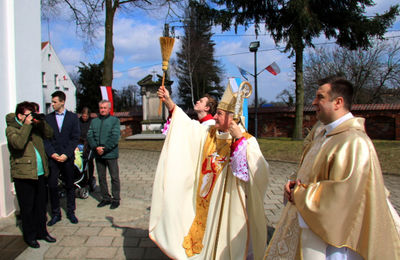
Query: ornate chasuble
point(286, 239)
point(216, 155)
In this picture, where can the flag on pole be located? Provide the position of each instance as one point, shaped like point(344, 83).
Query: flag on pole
point(273, 68)
point(243, 72)
point(106, 94)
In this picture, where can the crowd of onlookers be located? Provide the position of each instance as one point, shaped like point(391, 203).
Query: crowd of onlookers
point(43, 151)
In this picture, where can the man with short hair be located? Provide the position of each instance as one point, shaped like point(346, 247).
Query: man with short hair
point(103, 137)
point(206, 176)
point(205, 109)
point(338, 204)
point(61, 152)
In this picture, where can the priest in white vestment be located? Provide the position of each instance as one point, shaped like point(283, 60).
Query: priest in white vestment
point(199, 167)
point(338, 207)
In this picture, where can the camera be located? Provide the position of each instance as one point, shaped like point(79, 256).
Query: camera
point(37, 116)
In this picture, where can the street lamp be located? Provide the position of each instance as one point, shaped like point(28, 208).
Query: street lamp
point(253, 48)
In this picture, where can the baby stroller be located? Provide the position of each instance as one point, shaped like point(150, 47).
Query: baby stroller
point(81, 178)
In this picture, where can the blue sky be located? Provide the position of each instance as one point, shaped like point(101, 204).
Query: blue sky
point(137, 49)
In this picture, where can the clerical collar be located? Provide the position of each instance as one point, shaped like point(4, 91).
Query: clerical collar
point(206, 118)
point(329, 128)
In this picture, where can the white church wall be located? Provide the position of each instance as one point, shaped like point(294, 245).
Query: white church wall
point(20, 79)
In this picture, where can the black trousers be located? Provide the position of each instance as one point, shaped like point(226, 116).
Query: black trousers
point(90, 163)
point(112, 165)
point(32, 200)
point(66, 169)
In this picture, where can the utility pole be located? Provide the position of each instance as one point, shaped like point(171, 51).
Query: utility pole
point(253, 48)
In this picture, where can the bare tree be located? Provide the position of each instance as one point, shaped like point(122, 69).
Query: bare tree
point(89, 15)
point(286, 97)
point(127, 99)
point(374, 72)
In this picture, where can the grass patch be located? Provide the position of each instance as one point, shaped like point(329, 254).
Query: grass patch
point(388, 154)
point(147, 145)
point(284, 149)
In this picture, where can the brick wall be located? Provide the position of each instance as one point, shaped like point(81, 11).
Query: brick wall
point(130, 122)
point(382, 120)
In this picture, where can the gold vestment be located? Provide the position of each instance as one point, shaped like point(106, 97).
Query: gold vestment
point(343, 199)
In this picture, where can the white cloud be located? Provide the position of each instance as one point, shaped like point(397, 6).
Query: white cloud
point(135, 41)
point(133, 75)
point(380, 6)
point(70, 56)
point(137, 49)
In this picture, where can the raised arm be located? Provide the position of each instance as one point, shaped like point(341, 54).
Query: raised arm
point(163, 94)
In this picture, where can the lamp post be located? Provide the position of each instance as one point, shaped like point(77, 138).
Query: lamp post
point(253, 48)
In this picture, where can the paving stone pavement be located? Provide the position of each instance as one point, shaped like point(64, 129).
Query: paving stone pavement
point(122, 233)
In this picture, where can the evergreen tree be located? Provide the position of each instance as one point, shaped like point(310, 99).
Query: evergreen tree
point(197, 70)
point(88, 90)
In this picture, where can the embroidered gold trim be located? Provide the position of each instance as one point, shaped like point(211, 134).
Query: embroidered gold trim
point(215, 157)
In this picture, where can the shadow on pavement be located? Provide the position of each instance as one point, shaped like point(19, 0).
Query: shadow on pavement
point(11, 246)
point(137, 244)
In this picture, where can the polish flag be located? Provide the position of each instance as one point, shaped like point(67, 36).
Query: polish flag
point(273, 68)
point(106, 94)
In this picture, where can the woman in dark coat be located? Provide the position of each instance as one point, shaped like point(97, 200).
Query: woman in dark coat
point(84, 122)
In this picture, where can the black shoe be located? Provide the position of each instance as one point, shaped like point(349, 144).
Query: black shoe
point(48, 239)
point(114, 205)
point(54, 220)
point(103, 203)
point(72, 218)
point(33, 243)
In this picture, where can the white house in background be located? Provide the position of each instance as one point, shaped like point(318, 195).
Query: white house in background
point(55, 77)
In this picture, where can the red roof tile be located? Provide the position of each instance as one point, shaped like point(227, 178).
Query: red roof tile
point(310, 108)
point(44, 44)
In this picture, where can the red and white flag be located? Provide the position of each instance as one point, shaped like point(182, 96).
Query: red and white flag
point(106, 94)
point(273, 68)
